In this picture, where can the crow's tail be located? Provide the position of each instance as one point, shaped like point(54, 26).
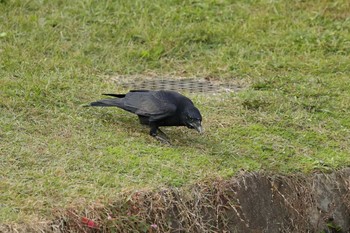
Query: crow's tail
point(115, 102)
point(116, 95)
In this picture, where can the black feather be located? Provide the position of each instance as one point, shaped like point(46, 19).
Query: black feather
point(116, 95)
point(156, 108)
point(139, 90)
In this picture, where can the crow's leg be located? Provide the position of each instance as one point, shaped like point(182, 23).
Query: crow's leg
point(144, 120)
point(159, 135)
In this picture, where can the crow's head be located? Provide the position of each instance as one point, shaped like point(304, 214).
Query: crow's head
point(192, 119)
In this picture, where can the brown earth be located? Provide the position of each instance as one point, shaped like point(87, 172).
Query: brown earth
point(249, 202)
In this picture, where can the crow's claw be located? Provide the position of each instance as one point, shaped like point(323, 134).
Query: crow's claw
point(163, 140)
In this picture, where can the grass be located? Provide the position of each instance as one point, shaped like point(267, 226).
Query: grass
point(57, 55)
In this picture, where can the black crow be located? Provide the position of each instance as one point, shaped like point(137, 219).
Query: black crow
point(157, 108)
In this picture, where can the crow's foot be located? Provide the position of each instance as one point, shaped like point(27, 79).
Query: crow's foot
point(162, 139)
point(159, 135)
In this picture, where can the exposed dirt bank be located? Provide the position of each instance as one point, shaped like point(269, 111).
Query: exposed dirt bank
point(250, 202)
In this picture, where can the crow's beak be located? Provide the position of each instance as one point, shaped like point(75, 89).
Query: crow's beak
point(197, 126)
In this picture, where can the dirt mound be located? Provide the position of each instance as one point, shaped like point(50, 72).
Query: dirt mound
point(250, 202)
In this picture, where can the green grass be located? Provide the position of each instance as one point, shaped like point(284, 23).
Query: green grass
point(57, 55)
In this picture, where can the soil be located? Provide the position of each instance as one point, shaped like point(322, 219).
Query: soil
point(249, 202)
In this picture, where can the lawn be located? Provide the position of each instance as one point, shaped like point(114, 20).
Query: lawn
point(292, 116)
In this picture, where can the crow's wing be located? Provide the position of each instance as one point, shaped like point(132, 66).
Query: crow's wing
point(154, 104)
